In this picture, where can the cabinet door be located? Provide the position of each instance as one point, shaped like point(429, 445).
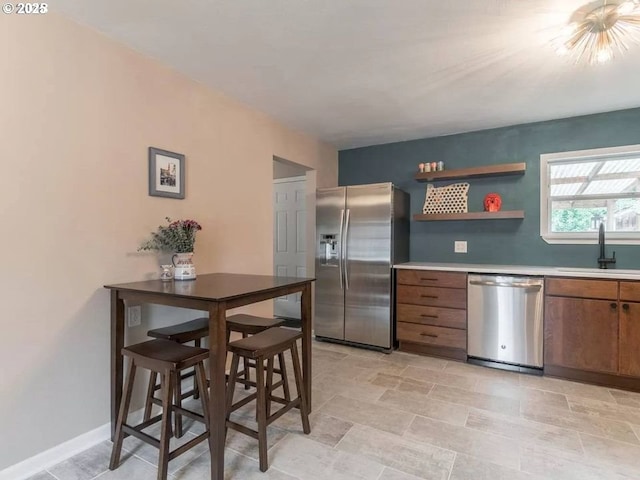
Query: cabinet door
point(630, 339)
point(581, 334)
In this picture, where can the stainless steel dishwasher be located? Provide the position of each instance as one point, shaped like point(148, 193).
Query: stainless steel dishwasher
point(505, 321)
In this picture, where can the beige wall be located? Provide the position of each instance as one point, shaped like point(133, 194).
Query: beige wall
point(77, 113)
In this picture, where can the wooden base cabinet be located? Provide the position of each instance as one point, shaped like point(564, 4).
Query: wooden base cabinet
point(630, 328)
point(630, 339)
point(592, 331)
point(581, 333)
point(431, 313)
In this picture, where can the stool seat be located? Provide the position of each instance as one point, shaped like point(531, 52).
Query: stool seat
point(251, 324)
point(174, 355)
point(264, 343)
point(199, 328)
point(183, 332)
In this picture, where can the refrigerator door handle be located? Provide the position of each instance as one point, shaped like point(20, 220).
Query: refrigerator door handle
point(345, 251)
point(340, 260)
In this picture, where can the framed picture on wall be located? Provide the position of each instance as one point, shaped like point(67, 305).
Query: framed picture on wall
point(166, 173)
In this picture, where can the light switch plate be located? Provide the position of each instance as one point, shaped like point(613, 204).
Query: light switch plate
point(460, 246)
point(134, 316)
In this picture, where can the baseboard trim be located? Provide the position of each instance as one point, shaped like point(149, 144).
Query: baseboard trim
point(33, 465)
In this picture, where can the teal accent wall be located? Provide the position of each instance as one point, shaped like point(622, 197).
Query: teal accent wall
point(510, 242)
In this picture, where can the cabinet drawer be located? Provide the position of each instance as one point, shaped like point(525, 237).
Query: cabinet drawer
point(630, 291)
point(440, 317)
point(430, 335)
point(432, 296)
point(432, 278)
point(572, 287)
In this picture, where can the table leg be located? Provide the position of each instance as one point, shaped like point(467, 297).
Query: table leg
point(305, 307)
point(117, 343)
point(217, 361)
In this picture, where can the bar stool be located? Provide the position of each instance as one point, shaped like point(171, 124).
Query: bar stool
point(167, 359)
point(191, 331)
point(251, 325)
point(263, 346)
point(195, 330)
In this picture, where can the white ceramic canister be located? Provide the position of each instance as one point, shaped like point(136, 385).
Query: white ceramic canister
point(183, 267)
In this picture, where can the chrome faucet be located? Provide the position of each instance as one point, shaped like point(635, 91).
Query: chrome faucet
point(602, 260)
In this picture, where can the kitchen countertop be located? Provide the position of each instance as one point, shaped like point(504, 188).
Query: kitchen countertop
point(612, 273)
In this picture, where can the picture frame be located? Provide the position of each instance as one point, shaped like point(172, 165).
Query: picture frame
point(166, 173)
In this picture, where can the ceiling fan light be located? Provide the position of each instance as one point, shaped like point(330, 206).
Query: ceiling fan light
point(594, 34)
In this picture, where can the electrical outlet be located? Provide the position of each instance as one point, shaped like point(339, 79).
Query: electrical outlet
point(134, 316)
point(460, 246)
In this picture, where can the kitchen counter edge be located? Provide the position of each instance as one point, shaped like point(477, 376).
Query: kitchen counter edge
point(528, 270)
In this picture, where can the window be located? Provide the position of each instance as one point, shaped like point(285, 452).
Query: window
point(579, 190)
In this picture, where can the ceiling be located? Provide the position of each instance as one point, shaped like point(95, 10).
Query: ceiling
point(364, 72)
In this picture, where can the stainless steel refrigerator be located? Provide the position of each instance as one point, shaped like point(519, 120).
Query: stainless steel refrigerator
point(362, 231)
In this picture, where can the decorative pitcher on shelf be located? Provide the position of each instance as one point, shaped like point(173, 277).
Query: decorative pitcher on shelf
point(183, 267)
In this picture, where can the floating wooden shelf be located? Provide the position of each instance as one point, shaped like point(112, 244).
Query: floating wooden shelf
point(474, 172)
point(470, 216)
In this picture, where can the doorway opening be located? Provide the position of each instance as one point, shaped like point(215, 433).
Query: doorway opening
point(293, 216)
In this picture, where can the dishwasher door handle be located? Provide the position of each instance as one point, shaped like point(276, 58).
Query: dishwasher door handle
point(488, 283)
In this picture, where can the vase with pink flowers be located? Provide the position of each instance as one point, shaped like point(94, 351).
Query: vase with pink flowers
point(178, 238)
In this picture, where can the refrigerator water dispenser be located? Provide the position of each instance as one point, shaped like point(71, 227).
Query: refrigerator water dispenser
point(329, 250)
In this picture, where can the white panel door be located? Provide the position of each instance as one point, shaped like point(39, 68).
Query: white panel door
point(289, 256)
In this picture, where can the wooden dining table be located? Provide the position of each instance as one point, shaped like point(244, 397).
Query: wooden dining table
point(214, 293)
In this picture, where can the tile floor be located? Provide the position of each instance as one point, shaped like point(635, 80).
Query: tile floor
point(406, 417)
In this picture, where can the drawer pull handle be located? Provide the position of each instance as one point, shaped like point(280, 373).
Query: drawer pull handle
point(625, 306)
point(428, 316)
point(429, 279)
point(428, 335)
point(429, 296)
point(613, 305)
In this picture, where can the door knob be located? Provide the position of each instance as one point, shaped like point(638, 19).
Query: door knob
point(625, 306)
point(614, 305)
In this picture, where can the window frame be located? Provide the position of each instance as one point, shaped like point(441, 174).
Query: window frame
point(618, 238)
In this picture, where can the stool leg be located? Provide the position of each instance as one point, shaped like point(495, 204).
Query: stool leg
point(201, 379)
point(177, 380)
point(231, 386)
point(304, 410)
point(283, 377)
point(262, 418)
point(122, 417)
point(269, 393)
point(196, 393)
point(245, 364)
point(165, 433)
point(148, 404)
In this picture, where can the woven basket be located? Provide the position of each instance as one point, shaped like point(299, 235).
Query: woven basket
point(449, 199)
